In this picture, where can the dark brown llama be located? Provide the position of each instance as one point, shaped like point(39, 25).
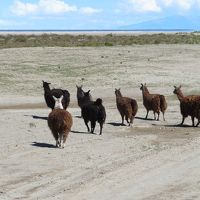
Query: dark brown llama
point(154, 102)
point(189, 105)
point(127, 107)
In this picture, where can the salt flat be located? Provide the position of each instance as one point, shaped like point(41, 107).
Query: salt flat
point(151, 160)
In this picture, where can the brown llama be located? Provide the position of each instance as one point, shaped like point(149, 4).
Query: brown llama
point(60, 123)
point(127, 107)
point(154, 102)
point(189, 105)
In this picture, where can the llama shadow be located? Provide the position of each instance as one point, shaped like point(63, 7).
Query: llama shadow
point(36, 117)
point(181, 126)
point(43, 145)
point(116, 124)
point(79, 132)
point(175, 125)
point(78, 116)
point(143, 118)
point(39, 117)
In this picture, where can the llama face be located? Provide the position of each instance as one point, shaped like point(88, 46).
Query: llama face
point(177, 90)
point(58, 102)
point(45, 84)
point(118, 93)
point(143, 87)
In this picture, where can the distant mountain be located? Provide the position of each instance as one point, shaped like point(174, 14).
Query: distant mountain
point(173, 22)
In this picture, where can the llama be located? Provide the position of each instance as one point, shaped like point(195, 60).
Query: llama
point(60, 122)
point(83, 97)
point(48, 95)
point(189, 105)
point(127, 107)
point(94, 112)
point(154, 102)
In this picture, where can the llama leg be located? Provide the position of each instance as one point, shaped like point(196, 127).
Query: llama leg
point(147, 114)
point(192, 121)
point(64, 139)
point(55, 135)
point(101, 127)
point(131, 120)
point(183, 119)
point(122, 119)
point(127, 121)
point(163, 116)
point(154, 115)
point(86, 123)
point(198, 123)
point(158, 116)
point(93, 124)
point(60, 140)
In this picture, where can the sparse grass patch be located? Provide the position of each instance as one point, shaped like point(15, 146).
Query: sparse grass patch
point(66, 40)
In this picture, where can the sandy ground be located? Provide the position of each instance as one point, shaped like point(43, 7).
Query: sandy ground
point(151, 160)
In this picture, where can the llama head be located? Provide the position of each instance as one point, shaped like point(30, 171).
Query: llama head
point(58, 102)
point(118, 92)
point(177, 90)
point(87, 94)
point(98, 102)
point(143, 87)
point(79, 87)
point(80, 92)
point(45, 84)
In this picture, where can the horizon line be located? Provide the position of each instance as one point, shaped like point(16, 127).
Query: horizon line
point(71, 30)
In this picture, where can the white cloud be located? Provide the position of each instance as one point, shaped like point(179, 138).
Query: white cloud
point(167, 2)
point(20, 8)
point(159, 5)
point(89, 10)
point(49, 7)
point(144, 5)
point(185, 4)
point(55, 6)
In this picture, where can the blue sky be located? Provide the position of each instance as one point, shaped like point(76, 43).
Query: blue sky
point(89, 14)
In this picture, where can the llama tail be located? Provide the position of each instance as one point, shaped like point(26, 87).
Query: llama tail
point(163, 103)
point(134, 106)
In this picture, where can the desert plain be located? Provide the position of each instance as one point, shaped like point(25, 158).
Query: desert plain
point(154, 160)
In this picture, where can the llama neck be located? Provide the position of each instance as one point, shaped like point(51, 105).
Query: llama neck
point(145, 92)
point(58, 106)
point(119, 98)
point(180, 96)
point(47, 89)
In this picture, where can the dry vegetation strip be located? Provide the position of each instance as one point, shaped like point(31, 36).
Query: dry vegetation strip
point(67, 40)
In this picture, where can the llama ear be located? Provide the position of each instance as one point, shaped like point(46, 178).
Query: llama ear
point(180, 86)
point(145, 84)
point(88, 91)
point(54, 98)
point(174, 86)
point(141, 84)
point(119, 88)
point(61, 98)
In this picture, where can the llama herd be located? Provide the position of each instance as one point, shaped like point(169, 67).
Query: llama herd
point(60, 120)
